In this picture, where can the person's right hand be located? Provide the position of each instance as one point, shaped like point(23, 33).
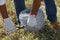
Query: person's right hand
point(9, 26)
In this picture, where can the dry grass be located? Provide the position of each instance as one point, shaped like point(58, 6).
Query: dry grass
point(45, 34)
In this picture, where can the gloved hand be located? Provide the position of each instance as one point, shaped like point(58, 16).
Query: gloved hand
point(32, 21)
point(9, 26)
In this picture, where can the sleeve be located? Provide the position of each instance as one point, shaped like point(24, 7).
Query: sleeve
point(2, 2)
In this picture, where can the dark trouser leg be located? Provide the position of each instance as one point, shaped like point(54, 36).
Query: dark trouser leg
point(19, 5)
point(51, 10)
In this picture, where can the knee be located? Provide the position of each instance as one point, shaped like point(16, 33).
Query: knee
point(2, 2)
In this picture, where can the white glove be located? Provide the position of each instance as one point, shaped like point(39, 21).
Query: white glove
point(31, 21)
point(9, 26)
